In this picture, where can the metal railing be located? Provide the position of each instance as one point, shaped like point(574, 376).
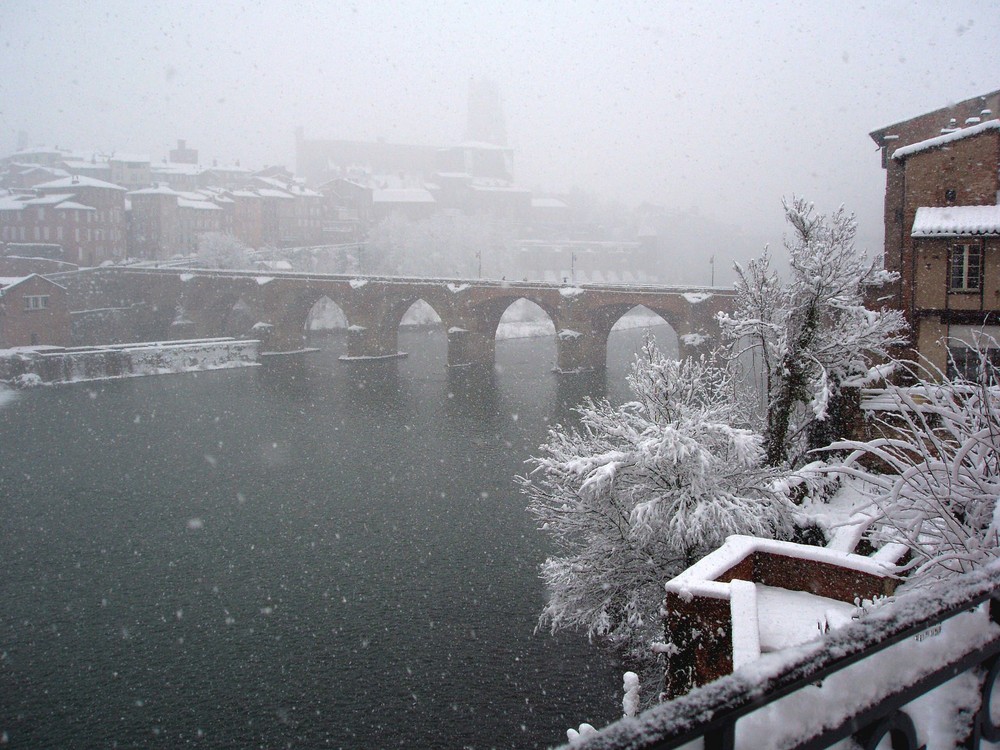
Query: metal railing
point(712, 712)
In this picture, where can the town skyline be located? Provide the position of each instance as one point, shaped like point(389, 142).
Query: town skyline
point(699, 109)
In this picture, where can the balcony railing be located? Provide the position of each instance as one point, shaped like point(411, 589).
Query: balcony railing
point(914, 645)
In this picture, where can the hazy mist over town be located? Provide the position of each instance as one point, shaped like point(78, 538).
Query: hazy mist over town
point(413, 374)
point(712, 110)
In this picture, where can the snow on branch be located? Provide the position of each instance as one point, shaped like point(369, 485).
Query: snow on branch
point(636, 493)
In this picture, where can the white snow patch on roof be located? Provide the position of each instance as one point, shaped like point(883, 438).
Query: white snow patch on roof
point(458, 287)
point(953, 221)
point(264, 280)
point(570, 291)
point(357, 283)
point(941, 140)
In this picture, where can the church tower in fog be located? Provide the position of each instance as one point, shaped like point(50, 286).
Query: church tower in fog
point(485, 121)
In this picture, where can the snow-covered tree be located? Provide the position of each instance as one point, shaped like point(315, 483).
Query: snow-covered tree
point(812, 331)
point(638, 492)
point(934, 478)
point(221, 250)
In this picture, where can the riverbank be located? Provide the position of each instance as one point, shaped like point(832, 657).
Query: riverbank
point(24, 367)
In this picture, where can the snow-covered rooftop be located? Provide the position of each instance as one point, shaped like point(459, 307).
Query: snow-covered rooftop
point(942, 140)
point(132, 158)
point(48, 200)
point(78, 181)
point(402, 195)
point(270, 193)
point(954, 221)
point(67, 205)
point(155, 190)
point(175, 168)
point(201, 205)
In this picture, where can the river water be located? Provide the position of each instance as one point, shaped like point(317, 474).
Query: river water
point(325, 554)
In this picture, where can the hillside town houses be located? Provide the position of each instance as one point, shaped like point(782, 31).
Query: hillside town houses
point(94, 209)
point(942, 228)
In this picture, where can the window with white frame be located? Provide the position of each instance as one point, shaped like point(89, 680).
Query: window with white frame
point(36, 301)
point(965, 267)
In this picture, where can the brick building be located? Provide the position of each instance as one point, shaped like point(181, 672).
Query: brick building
point(153, 223)
point(164, 222)
point(82, 216)
point(33, 311)
point(942, 226)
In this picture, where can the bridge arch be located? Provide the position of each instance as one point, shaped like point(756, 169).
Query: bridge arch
point(239, 320)
point(286, 311)
point(326, 316)
point(472, 339)
point(418, 310)
point(627, 334)
point(203, 311)
point(523, 317)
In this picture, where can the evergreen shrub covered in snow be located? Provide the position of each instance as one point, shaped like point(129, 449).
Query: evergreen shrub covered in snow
point(638, 492)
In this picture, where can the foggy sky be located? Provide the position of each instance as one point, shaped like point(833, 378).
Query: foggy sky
point(704, 107)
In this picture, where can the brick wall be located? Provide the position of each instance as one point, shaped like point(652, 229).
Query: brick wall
point(28, 327)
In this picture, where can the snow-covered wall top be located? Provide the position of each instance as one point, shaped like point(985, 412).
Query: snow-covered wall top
point(953, 221)
point(701, 578)
point(941, 140)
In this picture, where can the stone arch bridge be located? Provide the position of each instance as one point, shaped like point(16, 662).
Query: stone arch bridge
point(181, 303)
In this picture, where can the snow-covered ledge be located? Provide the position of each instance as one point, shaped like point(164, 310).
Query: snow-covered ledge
point(713, 610)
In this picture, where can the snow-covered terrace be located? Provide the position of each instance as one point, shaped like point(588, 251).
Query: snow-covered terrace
point(753, 596)
point(819, 693)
